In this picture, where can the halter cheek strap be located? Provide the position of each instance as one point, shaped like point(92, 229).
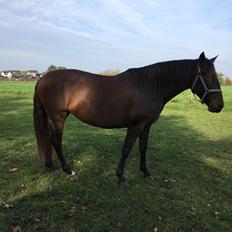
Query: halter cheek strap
point(207, 90)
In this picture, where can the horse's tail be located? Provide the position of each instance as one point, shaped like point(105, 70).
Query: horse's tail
point(42, 127)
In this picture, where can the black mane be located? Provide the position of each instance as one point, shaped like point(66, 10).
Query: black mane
point(163, 74)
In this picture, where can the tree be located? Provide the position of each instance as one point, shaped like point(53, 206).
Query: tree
point(53, 67)
point(61, 67)
point(110, 72)
point(221, 77)
point(227, 81)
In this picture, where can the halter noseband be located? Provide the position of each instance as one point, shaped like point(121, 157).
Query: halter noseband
point(207, 90)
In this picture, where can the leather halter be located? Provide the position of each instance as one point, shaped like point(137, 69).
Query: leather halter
point(207, 90)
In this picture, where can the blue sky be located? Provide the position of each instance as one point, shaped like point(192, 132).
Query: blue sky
point(113, 34)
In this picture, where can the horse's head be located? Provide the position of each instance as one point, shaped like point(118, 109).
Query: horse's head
point(206, 85)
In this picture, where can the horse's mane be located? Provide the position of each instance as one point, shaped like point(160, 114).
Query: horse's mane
point(163, 74)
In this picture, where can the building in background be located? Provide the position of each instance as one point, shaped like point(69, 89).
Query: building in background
point(17, 74)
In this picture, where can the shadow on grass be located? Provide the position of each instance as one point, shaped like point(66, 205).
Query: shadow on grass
point(190, 188)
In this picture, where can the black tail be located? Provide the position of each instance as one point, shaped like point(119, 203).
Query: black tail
point(42, 128)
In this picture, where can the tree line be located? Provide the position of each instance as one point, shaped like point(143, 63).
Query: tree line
point(223, 79)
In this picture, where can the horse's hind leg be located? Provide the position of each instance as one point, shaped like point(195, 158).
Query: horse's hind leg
point(56, 139)
point(48, 155)
point(143, 139)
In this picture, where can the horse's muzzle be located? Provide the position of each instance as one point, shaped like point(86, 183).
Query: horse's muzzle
point(217, 109)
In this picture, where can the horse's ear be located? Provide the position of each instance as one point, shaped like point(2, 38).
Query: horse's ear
point(201, 61)
point(213, 59)
point(202, 56)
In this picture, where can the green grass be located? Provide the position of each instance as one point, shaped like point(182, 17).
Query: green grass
point(189, 156)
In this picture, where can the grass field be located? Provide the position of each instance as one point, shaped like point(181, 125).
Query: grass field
point(189, 156)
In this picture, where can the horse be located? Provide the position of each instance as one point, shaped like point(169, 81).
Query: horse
point(132, 99)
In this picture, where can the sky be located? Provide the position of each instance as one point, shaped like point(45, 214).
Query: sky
point(97, 35)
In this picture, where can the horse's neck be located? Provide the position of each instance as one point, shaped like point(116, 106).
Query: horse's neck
point(179, 80)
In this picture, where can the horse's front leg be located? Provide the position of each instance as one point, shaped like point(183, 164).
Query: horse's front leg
point(143, 140)
point(131, 136)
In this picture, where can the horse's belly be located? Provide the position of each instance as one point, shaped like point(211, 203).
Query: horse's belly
point(102, 118)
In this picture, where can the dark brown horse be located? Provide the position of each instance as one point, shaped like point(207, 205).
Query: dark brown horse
point(133, 99)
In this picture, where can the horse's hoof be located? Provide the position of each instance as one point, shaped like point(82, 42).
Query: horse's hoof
point(73, 176)
point(124, 184)
point(49, 166)
point(147, 174)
